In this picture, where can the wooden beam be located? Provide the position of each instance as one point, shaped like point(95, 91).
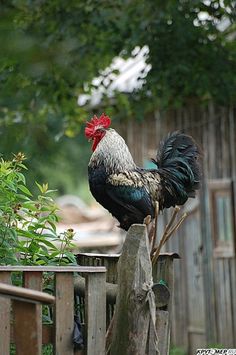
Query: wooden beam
point(64, 313)
point(23, 294)
point(163, 270)
point(110, 294)
point(5, 313)
point(27, 328)
point(86, 269)
point(34, 280)
point(161, 292)
point(95, 300)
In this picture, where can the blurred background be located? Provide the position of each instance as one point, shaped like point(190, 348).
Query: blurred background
point(153, 66)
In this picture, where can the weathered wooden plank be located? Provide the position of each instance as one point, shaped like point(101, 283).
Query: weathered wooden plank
point(232, 266)
point(110, 288)
point(182, 326)
point(47, 334)
point(215, 128)
point(56, 269)
point(132, 314)
point(64, 313)
point(25, 294)
point(232, 145)
point(163, 270)
point(5, 307)
point(208, 274)
point(228, 305)
point(162, 327)
point(34, 280)
point(95, 301)
point(27, 328)
point(194, 284)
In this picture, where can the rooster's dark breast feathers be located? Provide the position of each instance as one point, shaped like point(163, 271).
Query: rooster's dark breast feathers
point(124, 195)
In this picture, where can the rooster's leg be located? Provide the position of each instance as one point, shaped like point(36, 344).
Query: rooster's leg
point(149, 225)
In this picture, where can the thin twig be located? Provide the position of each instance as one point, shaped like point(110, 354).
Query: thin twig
point(176, 226)
point(171, 221)
point(167, 233)
point(108, 338)
point(154, 235)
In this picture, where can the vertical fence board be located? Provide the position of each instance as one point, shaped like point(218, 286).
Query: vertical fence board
point(28, 327)
point(5, 306)
point(228, 304)
point(164, 271)
point(162, 326)
point(34, 280)
point(232, 266)
point(95, 300)
point(64, 313)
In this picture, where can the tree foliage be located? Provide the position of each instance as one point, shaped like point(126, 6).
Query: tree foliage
point(51, 49)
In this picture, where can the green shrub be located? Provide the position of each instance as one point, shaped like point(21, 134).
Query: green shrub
point(27, 223)
point(177, 351)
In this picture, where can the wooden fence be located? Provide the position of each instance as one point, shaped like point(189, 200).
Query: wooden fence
point(26, 330)
point(162, 271)
point(206, 242)
point(141, 294)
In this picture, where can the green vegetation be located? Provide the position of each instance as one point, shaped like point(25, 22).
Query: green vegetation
point(177, 351)
point(27, 224)
point(46, 350)
point(51, 50)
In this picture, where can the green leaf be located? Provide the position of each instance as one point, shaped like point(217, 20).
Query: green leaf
point(25, 190)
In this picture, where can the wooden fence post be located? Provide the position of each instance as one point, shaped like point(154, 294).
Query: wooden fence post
point(34, 281)
point(132, 312)
point(64, 313)
point(5, 315)
point(163, 270)
point(27, 326)
point(95, 300)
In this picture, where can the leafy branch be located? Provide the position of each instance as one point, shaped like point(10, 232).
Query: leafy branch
point(28, 225)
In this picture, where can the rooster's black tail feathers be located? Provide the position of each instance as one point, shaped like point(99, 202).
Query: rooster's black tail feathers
point(179, 168)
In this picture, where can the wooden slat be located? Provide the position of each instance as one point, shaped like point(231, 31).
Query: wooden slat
point(5, 306)
point(27, 329)
point(232, 267)
point(162, 326)
point(34, 280)
point(164, 271)
point(162, 321)
point(59, 269)
point(228, 305)
point(95, 299)
point(64, 313)
point(208, 274)
point(47, 334)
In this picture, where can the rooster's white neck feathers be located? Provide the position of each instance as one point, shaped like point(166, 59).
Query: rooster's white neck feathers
point(113, 151)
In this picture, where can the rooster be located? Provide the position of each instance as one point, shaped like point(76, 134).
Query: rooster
point(129, 192)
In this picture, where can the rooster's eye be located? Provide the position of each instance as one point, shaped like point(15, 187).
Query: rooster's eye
point(99, 130)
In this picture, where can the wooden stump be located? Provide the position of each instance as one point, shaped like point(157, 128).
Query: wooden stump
point(134, 297)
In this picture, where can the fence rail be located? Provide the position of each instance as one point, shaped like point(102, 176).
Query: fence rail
point(26, 329)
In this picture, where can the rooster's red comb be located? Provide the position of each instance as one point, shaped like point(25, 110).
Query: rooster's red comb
point(103, 122)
